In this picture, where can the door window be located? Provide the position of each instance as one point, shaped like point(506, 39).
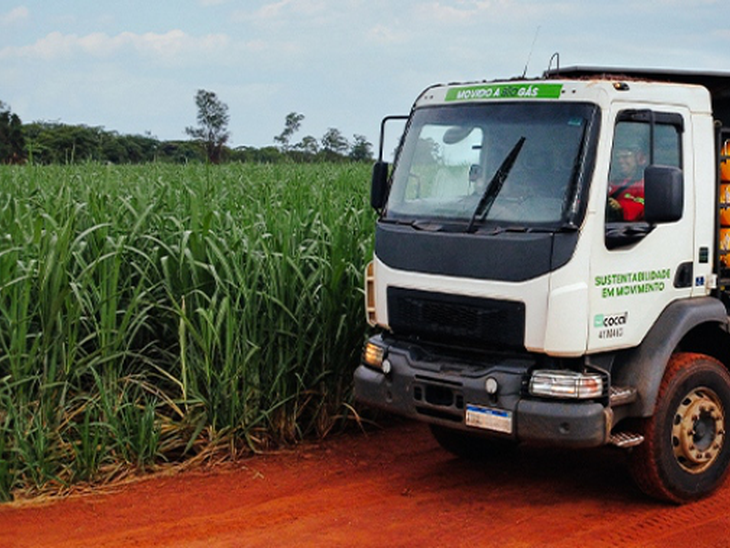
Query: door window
point(641, 138)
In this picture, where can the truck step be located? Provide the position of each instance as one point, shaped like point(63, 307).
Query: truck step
point(622, 395)
point(625, 440)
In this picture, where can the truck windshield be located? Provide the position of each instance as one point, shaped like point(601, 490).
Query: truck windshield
point(451, 155)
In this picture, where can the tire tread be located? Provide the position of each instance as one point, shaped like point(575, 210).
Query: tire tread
point(644, 462)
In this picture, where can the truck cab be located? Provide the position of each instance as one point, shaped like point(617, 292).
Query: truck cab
point(549, 267)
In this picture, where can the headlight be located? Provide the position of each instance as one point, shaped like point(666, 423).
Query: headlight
point(566, 384)
point(373, 355)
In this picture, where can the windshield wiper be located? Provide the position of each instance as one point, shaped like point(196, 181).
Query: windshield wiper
point(494, 186)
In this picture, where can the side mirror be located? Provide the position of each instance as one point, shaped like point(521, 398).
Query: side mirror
point(663, 194)
point(379, 186)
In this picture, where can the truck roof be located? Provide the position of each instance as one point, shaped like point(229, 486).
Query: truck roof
point(717, 82)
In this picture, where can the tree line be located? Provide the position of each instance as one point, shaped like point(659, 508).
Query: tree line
point(56, 142)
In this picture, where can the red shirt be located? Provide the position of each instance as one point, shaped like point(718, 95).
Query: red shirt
point(630, 196)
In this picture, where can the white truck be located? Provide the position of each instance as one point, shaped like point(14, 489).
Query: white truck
point(550, 267)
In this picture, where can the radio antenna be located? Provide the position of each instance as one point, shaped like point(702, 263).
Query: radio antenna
point(532, 47)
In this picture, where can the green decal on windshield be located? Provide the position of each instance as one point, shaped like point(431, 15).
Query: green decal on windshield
point(505, 91)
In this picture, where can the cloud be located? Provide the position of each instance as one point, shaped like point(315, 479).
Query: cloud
point(385, 35)
point(685, 3)
point(168, 46)
point(501, 12)
point(13, 16)
point(287, 11)
point(460, 11)
point(302, 7)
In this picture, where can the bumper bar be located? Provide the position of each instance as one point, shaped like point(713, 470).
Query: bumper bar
point(442, 395)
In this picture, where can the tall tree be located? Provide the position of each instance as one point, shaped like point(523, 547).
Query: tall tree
point(291, 125)
point(361, 150)
point(334, 142)
point(212, 128)
point(308, 145)
point(12, 141)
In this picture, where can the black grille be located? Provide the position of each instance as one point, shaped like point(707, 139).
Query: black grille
point(456, 318)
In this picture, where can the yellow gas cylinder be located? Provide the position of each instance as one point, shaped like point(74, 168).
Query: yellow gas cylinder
point(725, 215)
point(725, 239)
point(725, 245)
point(725, 166)
point(725, 193)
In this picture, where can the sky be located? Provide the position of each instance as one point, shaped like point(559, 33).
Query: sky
point(134, 66)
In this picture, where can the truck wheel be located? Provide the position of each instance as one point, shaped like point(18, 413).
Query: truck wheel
point(466, 445)
point(686, 452)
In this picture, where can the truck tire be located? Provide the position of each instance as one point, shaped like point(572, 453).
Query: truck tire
point(469, 446)
point(686, 452)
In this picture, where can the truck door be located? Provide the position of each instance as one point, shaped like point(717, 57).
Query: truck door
point(637, 268)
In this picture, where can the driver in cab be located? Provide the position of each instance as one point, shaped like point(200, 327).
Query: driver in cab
point(626, 189)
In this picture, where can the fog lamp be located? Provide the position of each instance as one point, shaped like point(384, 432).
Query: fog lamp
point(566, 384)
point(373, 355)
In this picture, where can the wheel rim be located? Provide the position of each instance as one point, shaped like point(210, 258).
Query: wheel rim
point(698, 430)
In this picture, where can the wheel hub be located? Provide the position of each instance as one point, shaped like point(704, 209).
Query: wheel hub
point(698, 430)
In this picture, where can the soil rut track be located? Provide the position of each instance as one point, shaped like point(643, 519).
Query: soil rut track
point(395, 487)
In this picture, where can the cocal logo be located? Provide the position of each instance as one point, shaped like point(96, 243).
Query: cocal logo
point(611, 326)
point(612, 320)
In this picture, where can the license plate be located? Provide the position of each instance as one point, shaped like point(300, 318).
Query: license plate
point(487, 418)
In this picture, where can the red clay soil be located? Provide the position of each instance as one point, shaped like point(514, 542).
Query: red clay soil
point(391, 488)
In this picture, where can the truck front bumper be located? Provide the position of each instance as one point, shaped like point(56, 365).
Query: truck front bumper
point(455, 396)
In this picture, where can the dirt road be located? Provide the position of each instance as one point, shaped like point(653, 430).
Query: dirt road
point(391, 488)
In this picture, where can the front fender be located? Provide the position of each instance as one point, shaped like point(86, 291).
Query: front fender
point(643, 367)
